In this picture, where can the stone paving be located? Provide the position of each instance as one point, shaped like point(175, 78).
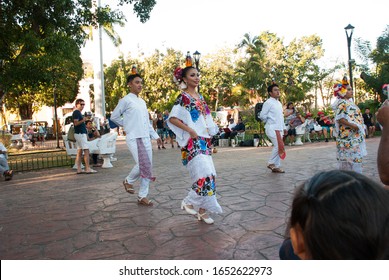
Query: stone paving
point(56, 214)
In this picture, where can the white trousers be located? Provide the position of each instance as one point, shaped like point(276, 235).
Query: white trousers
point(135, 172)
point(274, 157)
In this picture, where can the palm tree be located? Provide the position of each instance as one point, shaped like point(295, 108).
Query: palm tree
point(108, 28)
point(98, 77)
point(250, 69)
point(253, 47)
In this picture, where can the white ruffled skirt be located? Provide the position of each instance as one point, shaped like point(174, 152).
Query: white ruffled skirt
point(201, 167)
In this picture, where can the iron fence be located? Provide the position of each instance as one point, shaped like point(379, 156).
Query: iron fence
point(39, 160)
point(45, 145)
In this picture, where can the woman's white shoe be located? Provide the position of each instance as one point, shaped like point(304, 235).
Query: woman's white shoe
point(187, 209)
point(208, 220)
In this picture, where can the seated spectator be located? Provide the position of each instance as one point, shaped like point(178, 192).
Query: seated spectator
point(298, 120)
point(326, 123)
point(293, 123)
point(289, 114)
point(4, 167)
point(88, 115)
point(338, 215)
point(368, 120)
point(30, 133)
point(42, 133)
point(92, 134)
point(238, 128)
point(230, 126)
point(311, 123)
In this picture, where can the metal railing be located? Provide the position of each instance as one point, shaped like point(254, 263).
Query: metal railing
point(39, 160)
point(44, 145)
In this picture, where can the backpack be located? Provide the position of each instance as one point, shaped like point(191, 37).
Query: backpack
point(247, 143)
point(71, 137)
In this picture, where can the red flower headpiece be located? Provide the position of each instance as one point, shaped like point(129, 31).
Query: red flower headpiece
point(177, 78)
point(177, 75)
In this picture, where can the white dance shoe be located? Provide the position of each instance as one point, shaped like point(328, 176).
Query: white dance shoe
point(208, 220)
point(187, 209)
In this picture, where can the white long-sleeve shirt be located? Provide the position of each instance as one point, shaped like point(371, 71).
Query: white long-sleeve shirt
point(131, 113)
point(272, 114)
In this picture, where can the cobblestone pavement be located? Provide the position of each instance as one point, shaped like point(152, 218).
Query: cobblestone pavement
point(56, 214)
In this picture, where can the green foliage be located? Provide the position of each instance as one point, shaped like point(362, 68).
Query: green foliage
point(377, 76)
point(373, 105)
point(299, 68)
point(141, 8)
point(226, 80)
point(5, 138)
point(248, 118)
point(159, 90)
point(115, 81)
point(217, 72)
point(39, 47)
point(252, 73)
point(324, 83)
point(31, 77)
point(267, 59)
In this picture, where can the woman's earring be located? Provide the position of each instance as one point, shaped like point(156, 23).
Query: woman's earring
point(183, 85)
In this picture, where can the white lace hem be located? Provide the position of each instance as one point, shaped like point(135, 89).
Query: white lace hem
point(200, 167)
point(209, 203)
point(352, 166)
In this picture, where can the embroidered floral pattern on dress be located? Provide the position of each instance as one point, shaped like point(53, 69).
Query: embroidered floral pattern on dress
point(196, 147)
point(195, 107)
point(205, 186)
point(349, 141)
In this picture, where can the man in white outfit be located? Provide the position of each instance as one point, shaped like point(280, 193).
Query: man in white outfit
point(272, 114)
point(131, 113)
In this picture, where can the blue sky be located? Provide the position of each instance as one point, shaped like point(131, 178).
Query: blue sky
point(208, 25)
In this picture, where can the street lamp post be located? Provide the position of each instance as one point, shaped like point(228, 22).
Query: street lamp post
point(56, 118)
point(196, 56)
point(349, 33)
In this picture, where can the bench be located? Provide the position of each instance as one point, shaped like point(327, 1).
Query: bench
point(104, 146)
point(300, 132)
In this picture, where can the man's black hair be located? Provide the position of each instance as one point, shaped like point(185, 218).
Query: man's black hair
point(270, 88)
point(131, 77)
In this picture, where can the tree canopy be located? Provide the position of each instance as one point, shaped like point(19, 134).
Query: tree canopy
point(229, 77)
point(378, 75)
point(39, 47)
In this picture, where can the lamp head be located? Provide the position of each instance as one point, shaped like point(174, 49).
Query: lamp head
point(349, 28)
point(196, 56)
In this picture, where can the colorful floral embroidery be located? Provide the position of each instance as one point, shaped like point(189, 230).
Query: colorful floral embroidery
point(196, 147)
point(195, 107)
point(194, 114)
point(205, 186)
point(348, 142)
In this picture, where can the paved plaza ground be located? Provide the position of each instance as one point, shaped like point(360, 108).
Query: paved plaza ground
point(56, 214)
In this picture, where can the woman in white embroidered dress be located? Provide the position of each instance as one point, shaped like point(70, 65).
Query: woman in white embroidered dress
point(349, 129)
point(191, 121)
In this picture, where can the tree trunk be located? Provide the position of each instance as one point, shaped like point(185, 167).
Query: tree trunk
point(217, 99)
point(3, 120)
point(25, 111)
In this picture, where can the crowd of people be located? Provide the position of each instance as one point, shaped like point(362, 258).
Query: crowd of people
point(163, 130)
point(338, 214)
